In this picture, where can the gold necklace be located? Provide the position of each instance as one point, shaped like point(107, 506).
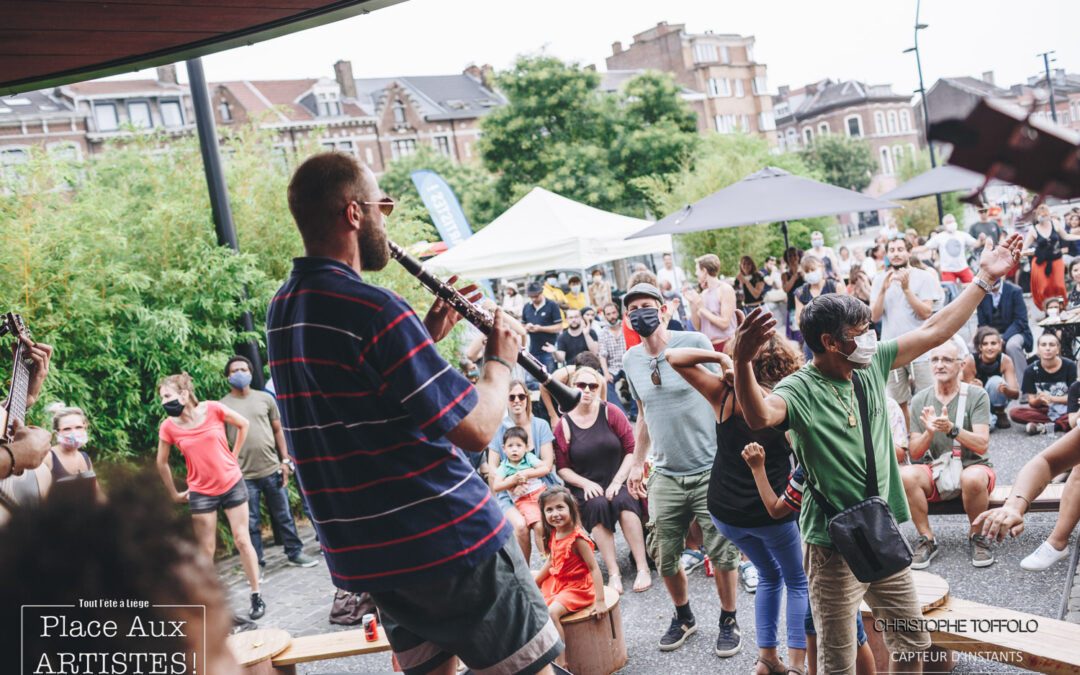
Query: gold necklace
point(851, 410)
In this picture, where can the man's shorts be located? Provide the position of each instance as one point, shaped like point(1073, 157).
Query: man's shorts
point(529, 507)
point(963, 275)
point(935, 497)
point(674, 502)
point(491, 616)
point(234, 496)
point(899, 385)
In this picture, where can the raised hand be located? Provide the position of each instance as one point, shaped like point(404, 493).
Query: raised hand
point(997, 261)
point(927, 417)
point(754, 455)
point(753, 331)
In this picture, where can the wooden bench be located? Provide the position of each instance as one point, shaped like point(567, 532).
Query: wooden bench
point(595, 646)
point(273, 652)
point(1051, 646)
point(1048, 501)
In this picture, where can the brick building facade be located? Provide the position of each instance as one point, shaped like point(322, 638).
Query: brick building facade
point(719, 66)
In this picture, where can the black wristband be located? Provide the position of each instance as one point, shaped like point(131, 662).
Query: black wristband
point(497, 359)
point(11, 472)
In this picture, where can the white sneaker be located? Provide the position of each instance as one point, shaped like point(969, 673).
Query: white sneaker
point(1043, 557)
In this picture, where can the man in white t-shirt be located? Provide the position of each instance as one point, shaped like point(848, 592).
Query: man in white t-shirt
point(671, 274)
point(903, 298)
point(952, 246)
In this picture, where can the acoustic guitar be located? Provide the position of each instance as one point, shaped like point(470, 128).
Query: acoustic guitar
point(14, 408)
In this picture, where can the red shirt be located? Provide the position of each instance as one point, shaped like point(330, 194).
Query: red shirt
point(211, 467)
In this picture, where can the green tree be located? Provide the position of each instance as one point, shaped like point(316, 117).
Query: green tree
point(921, 214)
point(720, 160)
point(842, 161)
point(474, 187)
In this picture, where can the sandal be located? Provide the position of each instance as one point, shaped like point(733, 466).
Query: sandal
point(642, 585)
point(793, 669)
point(615, 581)
point(771, 665)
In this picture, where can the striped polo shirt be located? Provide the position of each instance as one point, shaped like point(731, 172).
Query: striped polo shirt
point(365, 402)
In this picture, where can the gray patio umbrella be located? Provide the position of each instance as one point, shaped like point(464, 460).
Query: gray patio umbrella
point(770, 195)
point(939, 180)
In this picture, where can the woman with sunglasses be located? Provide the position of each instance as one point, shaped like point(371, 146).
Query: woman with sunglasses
point(519, 414)
point(594, 447)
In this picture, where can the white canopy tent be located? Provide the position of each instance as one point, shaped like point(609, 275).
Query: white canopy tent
point(546, 231)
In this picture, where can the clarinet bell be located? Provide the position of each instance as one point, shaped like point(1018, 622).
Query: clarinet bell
point(565, 396)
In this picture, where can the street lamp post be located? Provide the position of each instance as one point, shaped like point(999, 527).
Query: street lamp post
point(922, 95)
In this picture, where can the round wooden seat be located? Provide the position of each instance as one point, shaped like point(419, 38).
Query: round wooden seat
point(595, 646)
point(254, 649)
point(933, 591)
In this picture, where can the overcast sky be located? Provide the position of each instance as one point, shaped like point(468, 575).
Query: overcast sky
point(799, 41)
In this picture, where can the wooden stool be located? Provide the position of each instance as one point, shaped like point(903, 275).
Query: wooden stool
point(933, 591)
point(595, 646)
point(254, 649)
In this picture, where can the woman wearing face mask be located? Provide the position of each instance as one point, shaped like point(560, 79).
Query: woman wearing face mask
point(1047, 268)
point(213, 474)
point(792, 279)
point(70, 429)
point(599, 290)
point(816, 284)
point(513, 302)
point(576, 297)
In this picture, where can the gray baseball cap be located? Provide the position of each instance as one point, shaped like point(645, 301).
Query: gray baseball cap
point(641, 289)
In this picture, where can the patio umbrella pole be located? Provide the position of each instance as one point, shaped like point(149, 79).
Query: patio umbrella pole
point(783, 228)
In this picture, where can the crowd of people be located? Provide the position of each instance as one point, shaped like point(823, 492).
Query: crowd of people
point(721, 419)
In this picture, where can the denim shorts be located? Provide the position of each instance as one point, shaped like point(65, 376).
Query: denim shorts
point(234, 496)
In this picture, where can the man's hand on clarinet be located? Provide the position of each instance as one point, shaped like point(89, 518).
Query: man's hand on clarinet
point(753, 331)
point(441, 317)
point(503, 342)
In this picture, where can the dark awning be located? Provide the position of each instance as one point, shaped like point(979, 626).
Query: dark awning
point(49, 43)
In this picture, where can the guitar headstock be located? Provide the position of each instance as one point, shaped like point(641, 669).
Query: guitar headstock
point(1004, 141)
point(13, 323)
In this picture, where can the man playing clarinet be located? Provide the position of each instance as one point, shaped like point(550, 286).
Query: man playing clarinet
point(370, 411)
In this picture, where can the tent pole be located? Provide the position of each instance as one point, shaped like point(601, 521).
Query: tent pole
point(783, 228)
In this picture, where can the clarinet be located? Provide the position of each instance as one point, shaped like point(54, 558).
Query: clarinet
point(566, 397)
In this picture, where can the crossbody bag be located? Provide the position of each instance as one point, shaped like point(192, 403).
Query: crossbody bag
point(947, 468)
point(866, 534)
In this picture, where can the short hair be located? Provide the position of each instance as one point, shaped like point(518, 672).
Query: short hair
point(612, 304)
point(949, 218)
point(710, 263)
point(775, 360)
point(904, 240)
point(318, 188)
point(984, 332)
point(587, 359)
point(237, 357)
point(1052, 335)
point(516, 432)
point(586, 370)
point(572, 309)
point(809, 262)
point(642, 277)
point(831, 314)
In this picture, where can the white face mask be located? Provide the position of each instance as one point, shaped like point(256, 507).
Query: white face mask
point(1052, 312)
point(950, 227)
point(865, 348)
point(813, 278)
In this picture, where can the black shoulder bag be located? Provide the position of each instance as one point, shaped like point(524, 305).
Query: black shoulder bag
point(866, 534)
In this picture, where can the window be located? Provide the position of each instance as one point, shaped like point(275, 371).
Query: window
point(898, 156)
point(808, 135)
point(69, 152)
point(854, 126)
point(905, 120)
point(171, 114)
point(442, 146)
point(13, 156)
point(328, 104)
point(719, 86)
point(345, 146)
point(760, 84)
point(105, 117)
point(704, 53)
point(725, 124)
point(139, 114)
point(911, 149)
point(725, 54)
point(226, 112)
point(886, 161)
point(792, 139)
point(399, 112)
point(739, 88)
point(892, 121)
point(369, 156)
point(766, 121)
point(402, 148)
point(879, 122)
point(744, 123)
point(750, 53)
point(823, 128)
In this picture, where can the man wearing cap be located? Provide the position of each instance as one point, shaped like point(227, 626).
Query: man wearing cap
point(985, 229)
point(543, 321)
point(677, 429)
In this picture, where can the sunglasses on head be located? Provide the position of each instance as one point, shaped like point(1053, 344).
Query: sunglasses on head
point(518, 397)
point(591, 386)
point(386, 206)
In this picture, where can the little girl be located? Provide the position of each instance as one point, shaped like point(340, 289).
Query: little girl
point(565, 578)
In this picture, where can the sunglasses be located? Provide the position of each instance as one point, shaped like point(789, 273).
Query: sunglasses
point(386, 206)
point(518, 397)
point(591, 386)
point(654, 364)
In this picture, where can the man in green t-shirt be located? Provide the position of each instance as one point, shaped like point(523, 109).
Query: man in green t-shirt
point(818, 406)
point(264, 460)
point(936, 431)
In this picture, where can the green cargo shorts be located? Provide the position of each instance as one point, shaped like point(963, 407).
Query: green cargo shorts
point(675, 502)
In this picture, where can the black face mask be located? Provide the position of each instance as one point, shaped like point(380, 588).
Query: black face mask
point(173, 408)
point(645, 320)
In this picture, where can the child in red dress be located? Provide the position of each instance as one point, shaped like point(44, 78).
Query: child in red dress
point(570, 579)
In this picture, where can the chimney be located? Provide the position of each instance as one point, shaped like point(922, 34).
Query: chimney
point(988, 77)
point(473, 71)
point(167, 74)
point(487, 76)
point(343, 75)
point(784, 91)
point(661, 28)
point(616, 47)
